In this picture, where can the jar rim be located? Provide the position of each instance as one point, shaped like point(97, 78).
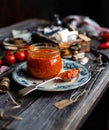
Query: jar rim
point(36, 46)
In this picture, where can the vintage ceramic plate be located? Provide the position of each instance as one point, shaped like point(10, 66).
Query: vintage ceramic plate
point(21, 76)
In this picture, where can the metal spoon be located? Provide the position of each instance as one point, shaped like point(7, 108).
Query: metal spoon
point(27, 90)
point(31, 88)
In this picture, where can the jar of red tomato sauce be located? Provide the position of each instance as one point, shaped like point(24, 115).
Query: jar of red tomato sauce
point(44, 60)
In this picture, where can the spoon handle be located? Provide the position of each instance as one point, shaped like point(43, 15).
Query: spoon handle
point(27, 90)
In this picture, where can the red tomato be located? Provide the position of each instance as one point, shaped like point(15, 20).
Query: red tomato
point(9, 58)
point(106, 36)
point(26, 50)
point(20, 56)
point(26, 53)
point(26, 46)
point(0, 62)
point(104, 45)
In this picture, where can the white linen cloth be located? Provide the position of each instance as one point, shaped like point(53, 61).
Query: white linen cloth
point(85, 25)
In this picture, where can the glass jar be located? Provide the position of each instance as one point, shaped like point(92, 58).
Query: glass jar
point(44, 60)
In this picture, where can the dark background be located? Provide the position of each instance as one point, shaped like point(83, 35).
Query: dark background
point(12, 11)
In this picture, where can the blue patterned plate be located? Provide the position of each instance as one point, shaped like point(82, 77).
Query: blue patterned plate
point(21, 76)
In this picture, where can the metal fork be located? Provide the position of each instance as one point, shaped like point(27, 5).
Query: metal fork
point(99, 67)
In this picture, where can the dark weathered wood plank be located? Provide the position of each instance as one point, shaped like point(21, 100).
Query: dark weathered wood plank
point(42, 115)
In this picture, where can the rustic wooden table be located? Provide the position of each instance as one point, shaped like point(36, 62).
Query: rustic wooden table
point(37, 111)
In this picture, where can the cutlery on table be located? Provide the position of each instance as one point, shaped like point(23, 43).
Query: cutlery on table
point(65, 76)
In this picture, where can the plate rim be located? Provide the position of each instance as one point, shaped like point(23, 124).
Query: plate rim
point(54, 90)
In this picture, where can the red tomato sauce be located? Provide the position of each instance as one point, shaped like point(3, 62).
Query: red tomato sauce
point(44, 63)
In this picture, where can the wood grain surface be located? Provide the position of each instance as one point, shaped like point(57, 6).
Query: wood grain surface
point(37, 109)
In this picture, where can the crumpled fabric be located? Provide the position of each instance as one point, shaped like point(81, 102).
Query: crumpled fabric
point(3, 69)
point(85, 25)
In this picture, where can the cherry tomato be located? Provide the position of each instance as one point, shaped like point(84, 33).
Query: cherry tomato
point(26, 53)
point(9, 58)
point(26, 50)
point(20, 55)
point(104, 45)
point(106, 36)
point(26, 46)
point(0, 62)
